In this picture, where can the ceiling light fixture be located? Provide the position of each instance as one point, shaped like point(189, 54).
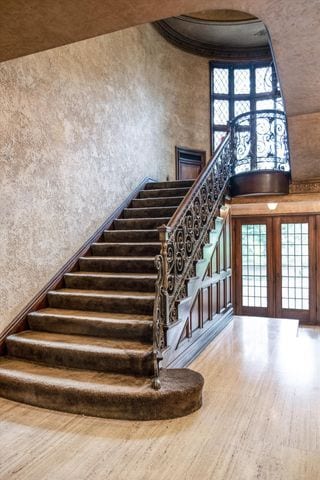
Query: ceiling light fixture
point(272, 205)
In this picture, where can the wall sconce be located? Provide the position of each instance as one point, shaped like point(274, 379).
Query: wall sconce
point(272, 206)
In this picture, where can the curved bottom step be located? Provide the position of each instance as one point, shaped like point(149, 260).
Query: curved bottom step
point(99, 394)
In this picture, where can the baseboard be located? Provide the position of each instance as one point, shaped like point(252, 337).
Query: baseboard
point(196, 347)
point(19, 323)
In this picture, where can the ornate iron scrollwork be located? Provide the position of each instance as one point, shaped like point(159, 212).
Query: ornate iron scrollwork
point(182, 241)
point(260, 141)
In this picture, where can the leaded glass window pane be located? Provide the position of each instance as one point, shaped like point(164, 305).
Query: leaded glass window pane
point(241, 106)
point(221, 80)
point(221, 112)
point(263, 79)
point(241, 81)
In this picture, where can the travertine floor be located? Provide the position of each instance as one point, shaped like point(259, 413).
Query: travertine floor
point(260, 420)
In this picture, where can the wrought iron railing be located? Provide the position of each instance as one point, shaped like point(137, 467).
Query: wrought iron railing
point(260, 141)
point(182, 241)
point(256, 141)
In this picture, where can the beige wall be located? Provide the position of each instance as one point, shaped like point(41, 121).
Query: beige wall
point(304, 137)
point(80, 126)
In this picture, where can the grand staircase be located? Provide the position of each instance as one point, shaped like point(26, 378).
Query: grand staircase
point(90, 350)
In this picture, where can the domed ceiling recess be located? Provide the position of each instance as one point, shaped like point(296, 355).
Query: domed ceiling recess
point(222, 34)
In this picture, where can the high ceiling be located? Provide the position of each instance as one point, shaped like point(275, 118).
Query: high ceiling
point(294, 26)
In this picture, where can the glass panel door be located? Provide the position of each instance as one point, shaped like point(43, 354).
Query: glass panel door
point(295, 266)
point(253, 267)
point(275, 267)
point(295, 272)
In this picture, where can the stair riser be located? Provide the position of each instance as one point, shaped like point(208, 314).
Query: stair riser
point(127, 362)
point(125, 236)
point(90, 283)
point(139, 224)
point(100, 304)
point(102, 249)
point(169, 185)
point(141, 331)
point(149, 212)
point(156, 202)
point(88, 264)
point(172, 192)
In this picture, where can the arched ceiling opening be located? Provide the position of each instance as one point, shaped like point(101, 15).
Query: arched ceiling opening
point(219, 34)
point(222, 15)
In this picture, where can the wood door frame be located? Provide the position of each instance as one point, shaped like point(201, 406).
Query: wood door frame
point(289, 313)
point(237, 268)
point(313, 318)
point(179, 149)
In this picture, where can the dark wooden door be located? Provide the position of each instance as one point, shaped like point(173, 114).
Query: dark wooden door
point(189, 163)
point(275, 267)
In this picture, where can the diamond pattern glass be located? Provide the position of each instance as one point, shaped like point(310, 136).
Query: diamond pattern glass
point(254, 265)
point(241, 106)
point(220, 112)
point(263, 79)
point(221, 80)
point(295, 265)
point(241, 81)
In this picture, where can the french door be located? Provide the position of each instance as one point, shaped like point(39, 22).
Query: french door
point(275, 265)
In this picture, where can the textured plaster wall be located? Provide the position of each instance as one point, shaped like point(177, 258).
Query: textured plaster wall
point(80, 126)
point(304, 131)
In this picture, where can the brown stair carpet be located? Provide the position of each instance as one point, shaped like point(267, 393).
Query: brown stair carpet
point(90, 350)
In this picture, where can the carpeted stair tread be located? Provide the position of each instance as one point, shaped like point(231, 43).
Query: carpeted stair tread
point(117, 264)
point(169, 184)
point(149, 276)
point(131, 249)
point(103, 293)
point(100, 394)
point(111, 281)
point(60, 312)
point(80, 351)
point(82, 342)
point(132, 235)
point(149, 212)
point(140, 223)
point(102, 300)
point(130, 244)
point(156, 202)
point(77, 322)
point(163, 192)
